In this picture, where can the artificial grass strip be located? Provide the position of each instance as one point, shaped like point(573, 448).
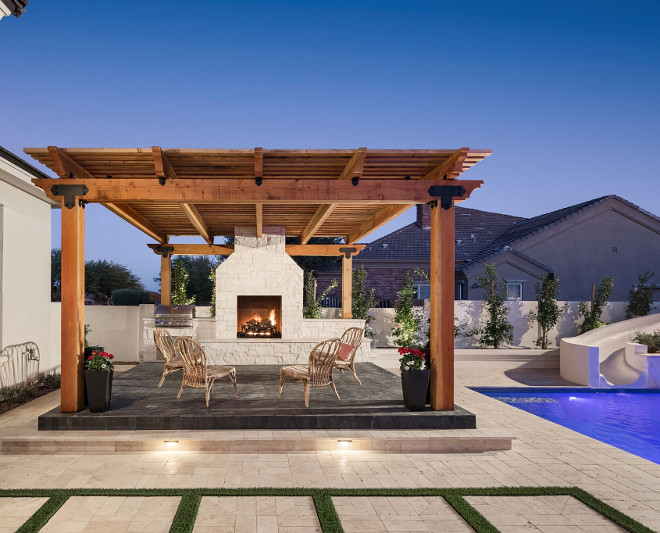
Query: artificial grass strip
point(329, 521)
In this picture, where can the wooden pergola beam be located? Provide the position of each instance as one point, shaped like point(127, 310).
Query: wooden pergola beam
point(382, 217)
point(65, 166)
point(259, 218)
point(196, 220)
point(354, 167)
point(321, 215)
point(291, 249)
point(451, 168)
point(162, 166)
point(134, 218)
point(244, 191)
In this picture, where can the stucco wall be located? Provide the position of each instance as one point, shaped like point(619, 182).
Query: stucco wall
point(24, 267)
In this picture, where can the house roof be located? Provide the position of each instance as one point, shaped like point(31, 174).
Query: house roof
point(475, 230)
point(16, 7)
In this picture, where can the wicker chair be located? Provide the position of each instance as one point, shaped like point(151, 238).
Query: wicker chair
point(196, 372)
point(317, 372)
point(353, 337)
point(165, 344)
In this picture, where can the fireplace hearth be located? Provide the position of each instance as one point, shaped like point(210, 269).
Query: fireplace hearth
point(259, 317)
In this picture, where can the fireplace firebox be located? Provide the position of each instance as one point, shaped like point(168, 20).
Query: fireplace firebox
point(259, 317)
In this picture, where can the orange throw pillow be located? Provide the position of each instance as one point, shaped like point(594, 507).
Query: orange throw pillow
point(344, 351)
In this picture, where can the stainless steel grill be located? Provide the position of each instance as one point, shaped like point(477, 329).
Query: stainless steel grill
point(174, 316)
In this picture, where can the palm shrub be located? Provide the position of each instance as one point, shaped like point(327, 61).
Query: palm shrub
point(548, 310)
point(408, 320)
point(497, 328)
point(651, 340)
point(592, 314)
point(313, 307)
point(640, 299)
point(362, 300)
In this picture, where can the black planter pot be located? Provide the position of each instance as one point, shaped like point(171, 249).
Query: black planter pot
point(415, 385)
point(98, 386)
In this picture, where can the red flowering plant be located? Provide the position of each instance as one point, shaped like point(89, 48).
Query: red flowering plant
point(99, 361)
point(412, 359)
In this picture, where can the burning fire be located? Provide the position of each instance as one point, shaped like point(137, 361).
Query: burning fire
point(269, 324)
point(271, 317)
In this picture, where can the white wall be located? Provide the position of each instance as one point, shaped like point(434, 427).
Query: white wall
point(24, 264)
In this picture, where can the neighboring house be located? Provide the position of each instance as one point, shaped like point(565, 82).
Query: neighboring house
point(12, 7)
point(25, 309)
point(580, 244)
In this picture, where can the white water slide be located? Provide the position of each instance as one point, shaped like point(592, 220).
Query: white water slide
point(606, 357)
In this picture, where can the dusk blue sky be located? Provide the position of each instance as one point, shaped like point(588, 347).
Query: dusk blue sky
point(565, 93)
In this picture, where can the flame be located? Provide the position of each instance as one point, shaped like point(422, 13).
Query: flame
point(272, 317)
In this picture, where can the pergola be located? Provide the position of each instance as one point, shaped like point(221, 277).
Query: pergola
point(209, 192)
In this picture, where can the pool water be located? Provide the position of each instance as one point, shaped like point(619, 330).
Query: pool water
point(627, 419)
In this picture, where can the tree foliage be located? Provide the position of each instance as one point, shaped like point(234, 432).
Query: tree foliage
point(408, 320)
point(362, 300)
point(497, 328)
point(548, 310)
point(592, 313)
point(180, 279)
point(640, 299)
point(312, 307)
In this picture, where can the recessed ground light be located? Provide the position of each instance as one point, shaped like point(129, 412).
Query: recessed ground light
point(170, 443)
point(345, 442)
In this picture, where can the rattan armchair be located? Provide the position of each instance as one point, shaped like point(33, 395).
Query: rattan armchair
point(317, 372)
point(165, 344)
point(196, 372)
point(352, 337)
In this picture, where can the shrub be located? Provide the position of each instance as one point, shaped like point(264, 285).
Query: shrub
point(592, 315)
point(362, 300)
point(51, 381)
point(640, 299)
point(130, 297)
point(651, 340)
point(497, 328)
point(313, 307)
point(548, 311)
point(407, 319)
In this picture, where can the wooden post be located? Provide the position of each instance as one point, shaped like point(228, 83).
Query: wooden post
point(73, 308)
point(442, 308)
point(346, 287)
point(166, 280)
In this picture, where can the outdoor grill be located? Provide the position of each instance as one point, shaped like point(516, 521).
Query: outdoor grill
point(174, 316)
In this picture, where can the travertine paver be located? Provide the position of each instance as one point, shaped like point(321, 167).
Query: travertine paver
point(547, 514)
point(263, 514)
point(15, 511)
point(401, 514)
point(114, 514)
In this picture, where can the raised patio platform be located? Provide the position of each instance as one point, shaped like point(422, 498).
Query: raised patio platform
point(138, 404)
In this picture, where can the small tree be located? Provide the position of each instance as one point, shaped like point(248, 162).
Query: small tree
point(592, 314)
point(548, 310)
point(640, 299)
point(497, 328)
point(212, 278)
point(408, 320)
point(313, 307)
point(362, 300)
point(180, 278)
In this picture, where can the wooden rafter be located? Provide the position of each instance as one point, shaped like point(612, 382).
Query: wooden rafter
point(65, 166)
point(244, 191)
point(291, 249)
point(382, 217)
point(354, 167)
point(451, 168)
point(321, 215)
point(259, 218)
point(131, 216)
point(196, 220)
point(258, 162)
point(162, 165)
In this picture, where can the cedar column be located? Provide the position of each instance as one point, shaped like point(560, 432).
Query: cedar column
point(73, 307)
point(166, 280)
point(442, 308)
point(347, 287)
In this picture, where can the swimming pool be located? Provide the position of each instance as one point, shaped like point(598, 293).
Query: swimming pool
point(627, 419)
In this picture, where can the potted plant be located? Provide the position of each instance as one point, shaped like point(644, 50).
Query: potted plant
point(415, 375)
point(98, 381)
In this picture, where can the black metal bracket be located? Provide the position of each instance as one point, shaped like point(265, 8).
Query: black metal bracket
point(258, 181)
point(69, 192)
point(164, 250)
point(82, 203)
point(162, 180)
point(348, 251)
point(446, 193)
point(355, 180)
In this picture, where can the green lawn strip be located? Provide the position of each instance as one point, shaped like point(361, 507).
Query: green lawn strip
point(326, 512)
point(474, 518)
point(184, 520)
point(609, 512)
point(44, 514)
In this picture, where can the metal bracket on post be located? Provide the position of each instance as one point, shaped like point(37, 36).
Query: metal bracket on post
point(446, 193)
point(348, 251)
point(164, 250)
point(69, 192)
point(355, 181)
point(258, 181)
point(162, 180)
